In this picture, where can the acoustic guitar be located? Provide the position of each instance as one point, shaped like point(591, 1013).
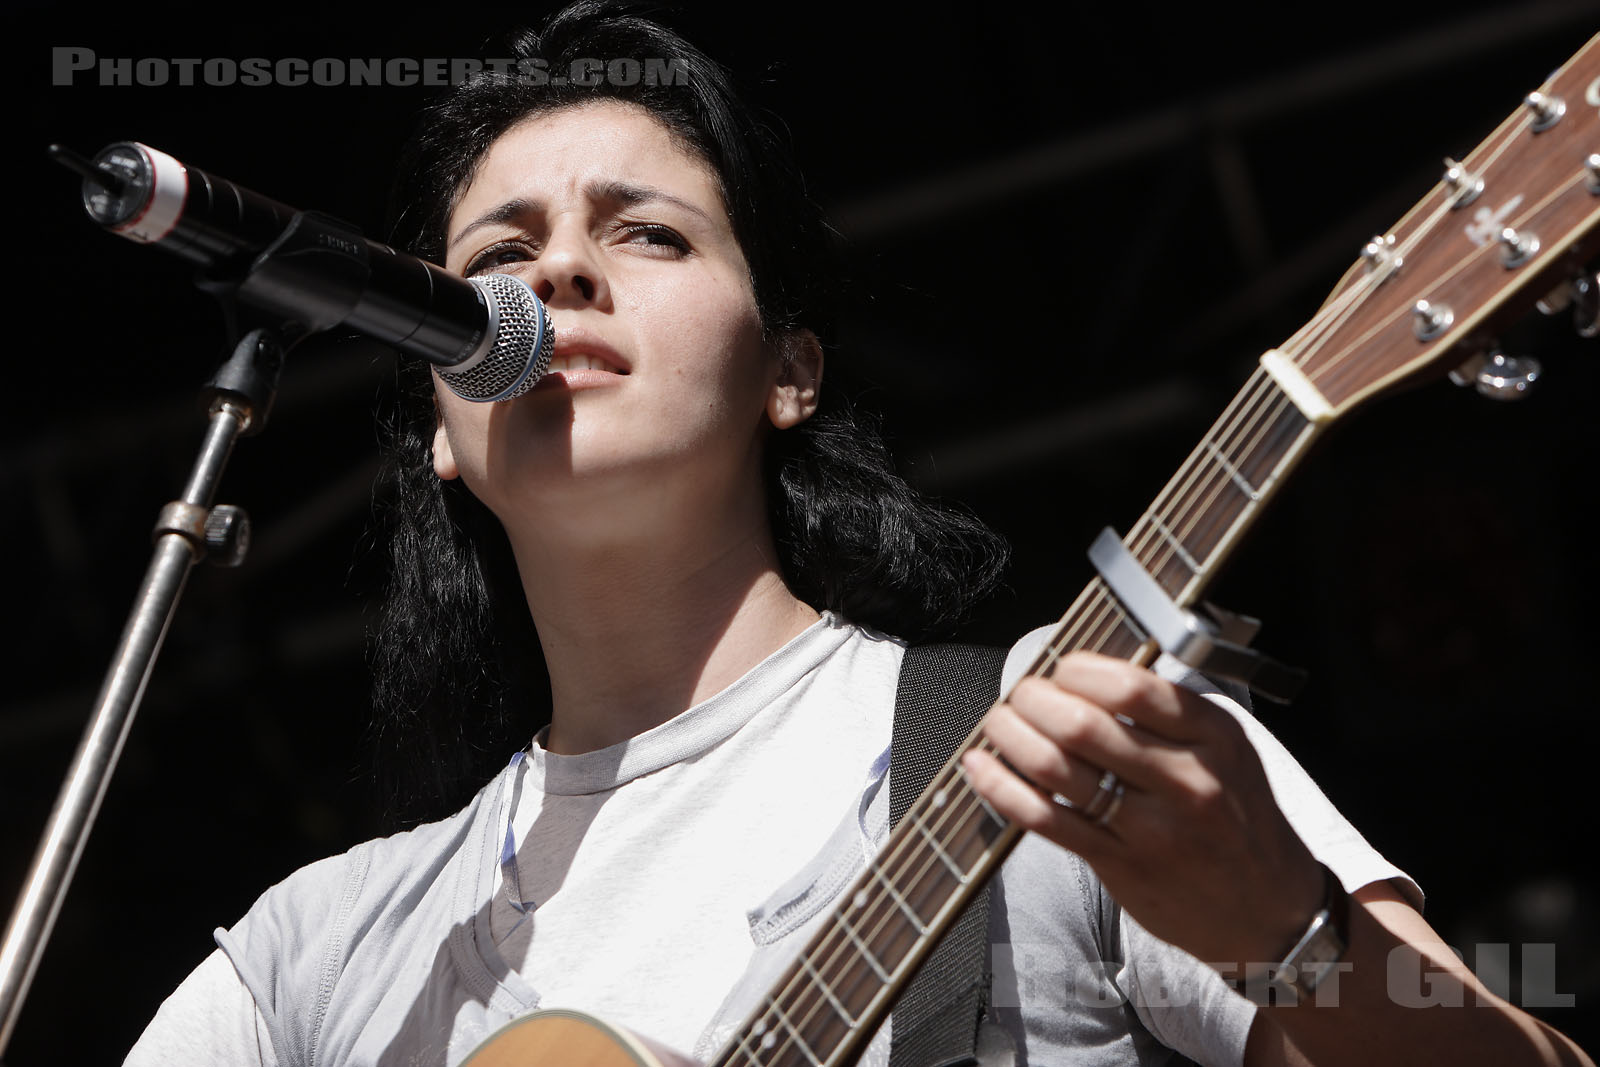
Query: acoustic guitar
point(1511, 225)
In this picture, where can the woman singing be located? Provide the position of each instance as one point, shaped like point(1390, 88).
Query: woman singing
point(644, 637)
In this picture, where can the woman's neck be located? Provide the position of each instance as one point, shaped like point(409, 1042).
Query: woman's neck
point(638, 628)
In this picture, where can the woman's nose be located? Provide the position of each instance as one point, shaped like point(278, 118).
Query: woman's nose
point(569, 272)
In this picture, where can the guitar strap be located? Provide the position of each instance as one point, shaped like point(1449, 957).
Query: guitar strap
point(944, 690)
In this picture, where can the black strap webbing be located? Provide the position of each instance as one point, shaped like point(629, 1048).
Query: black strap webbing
point(944, 690)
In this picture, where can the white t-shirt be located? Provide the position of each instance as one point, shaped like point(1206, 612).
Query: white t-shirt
point(665, 882)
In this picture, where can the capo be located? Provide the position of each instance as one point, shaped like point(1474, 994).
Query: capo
point(1215, 643)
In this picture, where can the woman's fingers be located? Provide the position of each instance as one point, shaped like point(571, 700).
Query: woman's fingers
point(1160, 790)
point(1138, 695)
point(1042, 753)
point(1093, 832)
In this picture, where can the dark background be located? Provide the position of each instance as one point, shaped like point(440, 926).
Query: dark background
point(1071, 237)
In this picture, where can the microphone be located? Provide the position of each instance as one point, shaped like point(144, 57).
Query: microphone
point(490, 337)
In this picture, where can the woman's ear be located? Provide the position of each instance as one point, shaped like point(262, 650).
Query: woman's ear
point(799, 383)
point(444, 460)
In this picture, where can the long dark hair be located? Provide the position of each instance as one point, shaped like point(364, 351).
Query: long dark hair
point(460, 682)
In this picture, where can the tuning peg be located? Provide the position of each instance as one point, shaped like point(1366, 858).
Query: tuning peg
point(1582, 295)
point(1497, 375)
point(1545, 110)
point(1464, 185)
point(1380, 253)
point(1429, 320)
point(1586, 305)
point(1516, 247)
point(1556, 300)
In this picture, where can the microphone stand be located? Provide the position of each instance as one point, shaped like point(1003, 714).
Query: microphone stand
point(187, 531)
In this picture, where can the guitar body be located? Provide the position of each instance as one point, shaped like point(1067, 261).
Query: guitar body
point(563, 1038)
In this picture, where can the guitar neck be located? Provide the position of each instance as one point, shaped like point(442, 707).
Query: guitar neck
point(836, 994)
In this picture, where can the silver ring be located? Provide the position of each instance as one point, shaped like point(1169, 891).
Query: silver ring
point(1111, 808)
point(1107, 797)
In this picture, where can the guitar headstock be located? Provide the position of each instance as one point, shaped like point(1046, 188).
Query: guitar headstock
point(1517, 217)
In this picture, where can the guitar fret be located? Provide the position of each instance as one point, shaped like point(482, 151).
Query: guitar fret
point(900, 901)
point(1233, 472)
point(968, 826)
point(827, 993)
point(933, 842)
point(794, 1034)
point(861, 947)
point(1177, 545)
point(998, 819)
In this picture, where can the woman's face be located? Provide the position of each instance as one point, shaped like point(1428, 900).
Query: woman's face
point(661, 382)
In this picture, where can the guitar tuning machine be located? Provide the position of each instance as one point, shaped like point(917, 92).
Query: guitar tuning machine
point(1497, 375)
point(1586, 305)
point(1379, 254)
point(1463, 185)
point(1582, 295)
point(1545, 110)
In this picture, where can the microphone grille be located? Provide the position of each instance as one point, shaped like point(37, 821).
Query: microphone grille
point(523, 341)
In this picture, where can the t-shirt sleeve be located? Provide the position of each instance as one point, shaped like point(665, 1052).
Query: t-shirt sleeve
point(257, 999)
point(1326, 832)
point(210, 1020)
point(1181, 1001)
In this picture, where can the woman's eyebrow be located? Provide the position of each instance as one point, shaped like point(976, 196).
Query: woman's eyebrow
point(613, 191)
point(506, 212)
point(631, 194)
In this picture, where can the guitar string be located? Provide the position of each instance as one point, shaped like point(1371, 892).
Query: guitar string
point(1551, 85)
point(1200, 470)
point(1457, 268)
point(1244, 400)
point(1178, 486)
point(1197, 485)
point(1210, 477)
point(1513, 128)
point(1263, 433)
point(1249, 399)
point(833, 941)
point(1327, 325)
point(1403, 249)
point(797, 985)
point(1105, 606)
point(1473, 164)
point(1495, 144)
point(965, 805)
point(1308, 340)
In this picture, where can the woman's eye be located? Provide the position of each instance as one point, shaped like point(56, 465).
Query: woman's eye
point(497, 256)
point(658, 237)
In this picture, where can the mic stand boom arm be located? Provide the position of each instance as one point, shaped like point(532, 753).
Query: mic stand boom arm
point(188, 530)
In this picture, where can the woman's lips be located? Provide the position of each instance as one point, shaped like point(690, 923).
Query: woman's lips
point(582, 359)
point(577, 378)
